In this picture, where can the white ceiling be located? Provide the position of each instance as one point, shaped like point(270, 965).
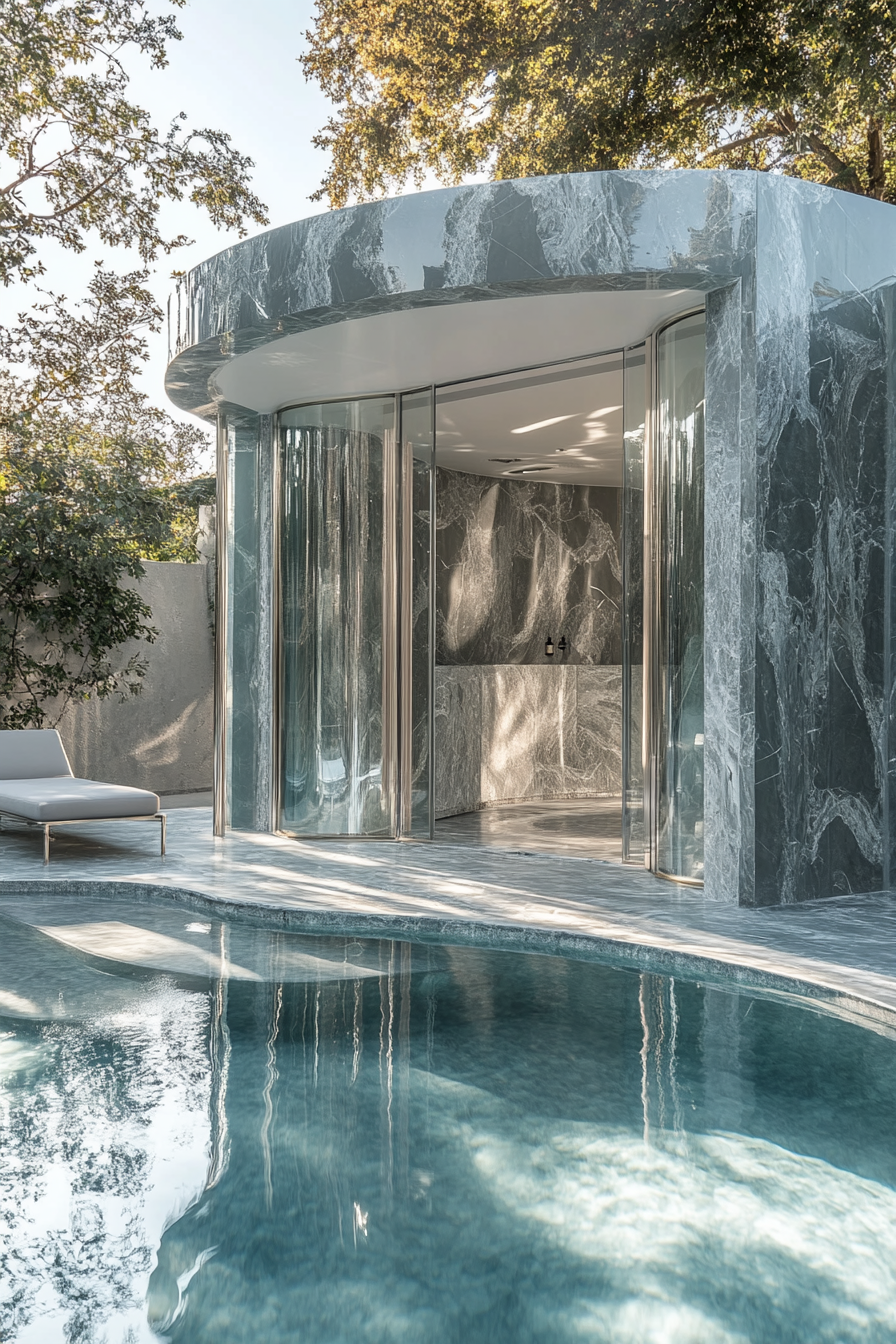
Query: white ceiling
point(553, 424)
point(416, 347)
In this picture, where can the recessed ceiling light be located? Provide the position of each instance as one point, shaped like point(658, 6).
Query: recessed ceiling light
point(541, 424)
point(525, 471)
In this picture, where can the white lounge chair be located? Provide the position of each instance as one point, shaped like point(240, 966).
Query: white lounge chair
point(37, 786)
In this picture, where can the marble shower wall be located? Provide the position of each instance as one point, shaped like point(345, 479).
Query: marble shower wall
point(514, 732)
point(520, 560)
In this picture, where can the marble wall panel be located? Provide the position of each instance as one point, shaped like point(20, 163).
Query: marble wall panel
point(248, 616)
point(513, 733)
point(457, 713)
point(729, 599)
point(523, 729)
point(520, 560)
point(825, 415)
point(594, 764)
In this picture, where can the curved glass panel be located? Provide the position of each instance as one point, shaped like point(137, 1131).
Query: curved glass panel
point(634, 408)
point(416, 640)
point(681, 361)
point(338, 619)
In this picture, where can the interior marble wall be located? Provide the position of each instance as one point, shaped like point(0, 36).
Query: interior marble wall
point(512, 732)
point(520, 560)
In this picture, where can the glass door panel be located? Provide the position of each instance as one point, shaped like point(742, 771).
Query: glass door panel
point(417, 613)
point(678, 670)
point(338, 605)
point(634, 404)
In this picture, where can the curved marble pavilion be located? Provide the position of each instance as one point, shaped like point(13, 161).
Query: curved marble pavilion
point(649, 413)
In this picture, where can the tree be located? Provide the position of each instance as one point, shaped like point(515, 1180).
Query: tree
point(93, 478)
point(83, 159)
point(80, 507)
point(525, 87)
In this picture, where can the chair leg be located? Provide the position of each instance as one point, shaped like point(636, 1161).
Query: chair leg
point(46, 844)
point(164, 821)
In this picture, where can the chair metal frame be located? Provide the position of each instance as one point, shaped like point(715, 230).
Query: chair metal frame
point(84, 821)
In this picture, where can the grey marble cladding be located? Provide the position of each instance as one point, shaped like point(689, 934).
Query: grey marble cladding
point(616, 231)
point(513, 732)
point(457, 714)
point(517, 561)
point(249, 615)
point(799, 540)
point(824, 464)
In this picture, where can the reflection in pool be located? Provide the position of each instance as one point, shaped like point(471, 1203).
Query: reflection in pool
point(212, 1132)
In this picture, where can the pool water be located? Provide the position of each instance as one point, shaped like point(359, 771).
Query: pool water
point(211, 1132)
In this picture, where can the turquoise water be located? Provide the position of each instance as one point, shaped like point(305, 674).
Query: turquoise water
point(347, 1139)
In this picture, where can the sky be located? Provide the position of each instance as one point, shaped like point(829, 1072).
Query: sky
point(236, 70)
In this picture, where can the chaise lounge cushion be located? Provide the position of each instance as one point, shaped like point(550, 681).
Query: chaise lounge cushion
point(32, 753)
point(63, 798)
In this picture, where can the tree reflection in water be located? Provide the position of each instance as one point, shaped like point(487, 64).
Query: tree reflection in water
point(353, 1142)
point(104, 1138)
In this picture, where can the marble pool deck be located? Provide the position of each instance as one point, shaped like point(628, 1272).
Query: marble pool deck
point(840, 952)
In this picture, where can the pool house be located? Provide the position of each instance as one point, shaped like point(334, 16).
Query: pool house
point(566, 501)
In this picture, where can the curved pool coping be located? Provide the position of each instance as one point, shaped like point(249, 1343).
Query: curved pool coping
point(799, 980)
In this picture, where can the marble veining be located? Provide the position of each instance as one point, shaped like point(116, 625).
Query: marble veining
point(799, 527)
point(824, 438)
point(612, 231)
point(517, 561)
point(522, 732)
point(457, 713)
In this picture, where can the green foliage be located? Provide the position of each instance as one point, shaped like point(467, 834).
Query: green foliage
point(93, 479)
point(79, 508)
point(83, 159)
point(525, 87)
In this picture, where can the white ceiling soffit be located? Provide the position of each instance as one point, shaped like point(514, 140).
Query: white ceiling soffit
point(560, 424)
point(444, 343)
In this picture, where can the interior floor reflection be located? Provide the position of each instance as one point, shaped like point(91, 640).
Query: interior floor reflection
point(584, 827)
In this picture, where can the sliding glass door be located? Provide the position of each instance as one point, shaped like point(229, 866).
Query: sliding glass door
point(677, 635)
point(338, 578)
point(355, 521)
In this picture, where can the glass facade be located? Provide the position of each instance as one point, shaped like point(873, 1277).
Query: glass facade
point(678, 655)
point(417, 610)
point(634, 407)
point(338, 611)
point(329, 621)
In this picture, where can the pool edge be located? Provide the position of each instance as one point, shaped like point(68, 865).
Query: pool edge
point(812, 983)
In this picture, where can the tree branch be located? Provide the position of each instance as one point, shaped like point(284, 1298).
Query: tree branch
point(877, 176)
point(80, 200)
point(845, 175)
point(765, 133)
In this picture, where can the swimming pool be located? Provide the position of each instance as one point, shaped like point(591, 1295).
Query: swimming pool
point(350, 1139)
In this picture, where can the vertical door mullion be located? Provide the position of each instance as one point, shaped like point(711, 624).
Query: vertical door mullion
point(391, 623)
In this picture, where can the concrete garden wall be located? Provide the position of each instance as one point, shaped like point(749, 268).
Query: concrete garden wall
point(163, 738)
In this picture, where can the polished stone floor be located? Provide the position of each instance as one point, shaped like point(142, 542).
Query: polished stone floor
point(842, 951)
point(589, 828)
